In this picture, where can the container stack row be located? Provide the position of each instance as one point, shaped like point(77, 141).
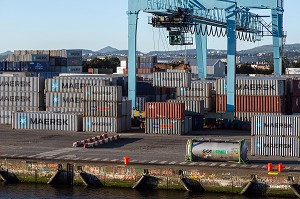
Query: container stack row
point(167, 118)
point(275, 135)
point(20, 94)
point(254, 95)
point(104, 109)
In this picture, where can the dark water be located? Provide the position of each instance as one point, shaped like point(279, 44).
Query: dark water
point(33, 191)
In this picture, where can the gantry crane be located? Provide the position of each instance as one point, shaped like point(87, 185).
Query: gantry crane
point(182, 16)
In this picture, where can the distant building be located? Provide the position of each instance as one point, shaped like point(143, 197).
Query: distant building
point(214, 68)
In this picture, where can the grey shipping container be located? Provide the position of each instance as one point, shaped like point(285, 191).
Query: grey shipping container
point(65, 100)
point(72, 85)
point(279, 125)
point(198, 89)
point(19, 99)
point(172, 79)
point(30, 84)
point(5, 117)
point(74, 61)
point(64, 110)
point(102, 109)
point(197, 106)
point(255, 86)
point(22, 108)
point(47, 121)
point(165, 126)
point(70, 69)
point(275, 146)
point(113, 80)
point(102, 93)
point(106, 124)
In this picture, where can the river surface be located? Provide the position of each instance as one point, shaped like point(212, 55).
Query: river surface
point(34, 191)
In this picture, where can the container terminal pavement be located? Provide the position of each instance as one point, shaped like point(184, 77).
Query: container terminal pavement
point(139, 147)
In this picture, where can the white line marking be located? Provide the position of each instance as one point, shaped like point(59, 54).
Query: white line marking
point(193, 163)
point(182, 163)
point(133, 161)
point(143, 161)
point(86, 159)
point(153, 161)
point(105, 160)
point(95, 159)
point(222, 165)
point(254, 166)
point(163, 162)
point(202, 163)
point(233, 165)
point(174, 162)
point(114, 160)
point(213, 164)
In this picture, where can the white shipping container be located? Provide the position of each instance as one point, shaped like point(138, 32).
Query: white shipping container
point(72, 85)
point(25, 84)
point(172, 79)
point(255, 86)
point(47, 121)
point(271, 125)
point(22, 108)
point(102, 109)
point(21, 99)
point(5, 117)
point(292, 71)
point(102, 93)
point(247, 116)
point(106, 124)
point(165, 126)
point(64, 100)
point(275, 146)
point(64, 110)
point(123, 63)
point(195, 105)
point(198, 89)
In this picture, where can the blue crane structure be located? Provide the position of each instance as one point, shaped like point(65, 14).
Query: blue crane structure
point(200, 17)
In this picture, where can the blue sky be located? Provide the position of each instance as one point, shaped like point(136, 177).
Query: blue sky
point(94, 24)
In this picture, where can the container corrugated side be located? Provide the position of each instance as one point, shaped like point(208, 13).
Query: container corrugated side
point(22, 108)
point(5, 117)
point(255, 86)
point(271, 125)
point(167, 110)
point(102, 93)
point(247, 116)
point(47, 121)
point(165, 126)
point(72, 85)
point(196, 104)
point(24, 84)
point(102, 109)
point(65, 100)
point(197, 89)
point(275, 146)
point(105, 124)
point(64, 110)
point(172, 79)
point(20, 99)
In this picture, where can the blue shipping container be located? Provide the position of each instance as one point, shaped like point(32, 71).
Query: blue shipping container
point(38, 66)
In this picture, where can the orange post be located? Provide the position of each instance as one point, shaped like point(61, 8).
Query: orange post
point(126, 160)
point(270, 167)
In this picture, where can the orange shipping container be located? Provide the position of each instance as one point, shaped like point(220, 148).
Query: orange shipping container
point(268, 104)
point(167, 110)
point(91, 70)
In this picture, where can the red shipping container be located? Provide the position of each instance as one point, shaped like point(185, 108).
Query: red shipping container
point(168, 110)
point(296, 104)
point(268, 104)
point(296, 87)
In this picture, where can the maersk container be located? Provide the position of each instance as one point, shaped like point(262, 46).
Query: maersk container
point(65, 100)
point(72, 85)
point(37, 66)
point(255, 86)
point(102, 93)
point(165, 126)
point(30, 84)
point(196, 105)
point(199, 149)
point(64, 110)
point(22, 108)
point(113, 80)
point(271, 125)
point(73, 53)
point(71, 69)
point(172, 79)
point(167, 110)
point(105, 124)
point(26, 99)
point(47, 121)
point(102, 109)
point(198, 89)
point(247, 116)
point(275, 146)
point(5, 117)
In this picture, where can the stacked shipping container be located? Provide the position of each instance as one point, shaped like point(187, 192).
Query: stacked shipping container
point(172, 79)
point(254, 96)
point(166, 118)
point(20, 94)
point(104, 110)
point(275, 135)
